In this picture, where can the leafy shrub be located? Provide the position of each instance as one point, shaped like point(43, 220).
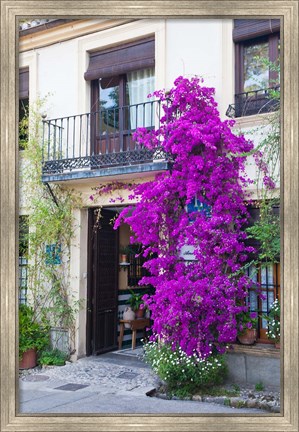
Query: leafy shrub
point(259, 386)
point(135, 300)
point(53, 358)
point(184, 374)
point(32, 334)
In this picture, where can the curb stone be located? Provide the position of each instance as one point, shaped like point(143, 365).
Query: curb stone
point(248, 399)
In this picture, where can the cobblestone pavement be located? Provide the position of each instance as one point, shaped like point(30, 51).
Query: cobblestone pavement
point(111, 383)
point(95, 371)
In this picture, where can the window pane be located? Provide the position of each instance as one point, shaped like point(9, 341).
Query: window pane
point(109, 106)
point(267, 277)
point(256, 74)
point(253, 301)
point(139, 85)
point(252, 273)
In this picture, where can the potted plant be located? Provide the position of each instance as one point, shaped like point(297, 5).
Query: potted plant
point(124, 251)
point(247, 322)
point(136, 303)
point(33, 337)
point(273, 319)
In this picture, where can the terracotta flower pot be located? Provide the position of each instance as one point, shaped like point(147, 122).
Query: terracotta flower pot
point(139, 313)
point(28, 360)
point(248, 337)
point(123, 258)
point(277, 345)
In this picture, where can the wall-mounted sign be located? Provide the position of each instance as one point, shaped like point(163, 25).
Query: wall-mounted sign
point(53, 254)
point(197, 206)
point(187, 253)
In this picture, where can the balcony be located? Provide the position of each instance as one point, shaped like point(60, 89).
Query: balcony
point(100, 143)
point(254, 102)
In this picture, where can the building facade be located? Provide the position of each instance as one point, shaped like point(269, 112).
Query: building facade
point(97, 75)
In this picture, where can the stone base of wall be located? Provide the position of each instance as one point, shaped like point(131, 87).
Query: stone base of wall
point(254, 364)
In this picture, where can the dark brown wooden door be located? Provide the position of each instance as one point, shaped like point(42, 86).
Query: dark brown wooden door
point(102, 284)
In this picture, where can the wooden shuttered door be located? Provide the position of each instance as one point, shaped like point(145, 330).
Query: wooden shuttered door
point(121, 59)
point(252, 28)
point(102, 296)
point(24, 83)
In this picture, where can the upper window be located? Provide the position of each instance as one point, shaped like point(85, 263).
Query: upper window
point(255, 72)
point(257, 50)
point(125, 96)
point(121, 78)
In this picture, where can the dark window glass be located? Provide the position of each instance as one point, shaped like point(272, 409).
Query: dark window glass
point(109, 106)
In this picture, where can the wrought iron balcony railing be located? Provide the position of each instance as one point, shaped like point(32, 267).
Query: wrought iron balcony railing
point(99, 139)
point(255, 102)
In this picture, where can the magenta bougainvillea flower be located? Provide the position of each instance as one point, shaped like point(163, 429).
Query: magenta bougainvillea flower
point(195, 302)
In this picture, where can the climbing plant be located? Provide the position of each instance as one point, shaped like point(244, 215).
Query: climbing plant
point(197, 204)
point(51, 230)
point(266, 230)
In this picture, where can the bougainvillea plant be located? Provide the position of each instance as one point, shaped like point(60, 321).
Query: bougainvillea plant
point(195, 302)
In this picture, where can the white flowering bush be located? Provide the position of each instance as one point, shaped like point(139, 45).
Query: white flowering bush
point(274, 322)
point(184, 374)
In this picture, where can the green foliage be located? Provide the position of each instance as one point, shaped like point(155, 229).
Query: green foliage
point(50, 224)
point(125, 250)
point(32, 333)
point(259, 386)
point(236, 388)
point(267, 232)
point(267, 159)
point(246, 320)
point(23, 123)
point(53, 357)
point(183, 374)
point(135, 300)
point(241, 404)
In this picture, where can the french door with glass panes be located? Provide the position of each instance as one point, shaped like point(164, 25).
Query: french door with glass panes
point(268, 278)
point(120, 105)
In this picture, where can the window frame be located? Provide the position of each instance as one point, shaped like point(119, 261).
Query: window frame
point(275, 287)
point(273, 40)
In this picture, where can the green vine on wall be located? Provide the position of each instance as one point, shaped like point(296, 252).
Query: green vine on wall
point(50, 234)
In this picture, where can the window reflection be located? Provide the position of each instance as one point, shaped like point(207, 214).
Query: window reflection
point(256, 71)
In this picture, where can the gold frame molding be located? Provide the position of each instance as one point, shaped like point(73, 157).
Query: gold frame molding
point(287, 10)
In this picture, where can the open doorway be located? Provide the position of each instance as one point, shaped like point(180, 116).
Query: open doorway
point(102, 291)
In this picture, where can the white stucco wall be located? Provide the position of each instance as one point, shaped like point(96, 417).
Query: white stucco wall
point(202, 47)
point(57, 77)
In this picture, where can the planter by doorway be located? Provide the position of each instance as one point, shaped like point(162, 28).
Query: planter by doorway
point(139, 313)
point(28, 360)
point(123, 258)
point(248, 337)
